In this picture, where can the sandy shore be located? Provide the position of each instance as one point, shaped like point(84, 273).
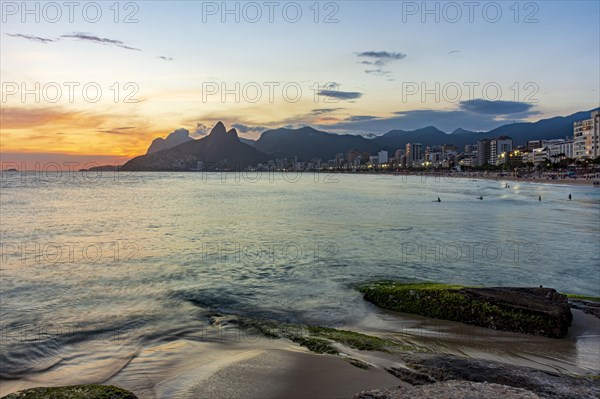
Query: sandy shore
point(506, 178)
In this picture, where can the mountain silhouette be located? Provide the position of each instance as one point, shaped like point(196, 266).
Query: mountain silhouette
point(308, 143)
point(221, 149)
point(460, 130)
point(177, 137)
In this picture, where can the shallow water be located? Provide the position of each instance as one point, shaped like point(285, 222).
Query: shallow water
point(98, 269)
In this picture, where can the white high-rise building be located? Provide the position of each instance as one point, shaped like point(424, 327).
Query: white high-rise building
point(559, 149)
point(382, 157)
point(414, 154)
point(500, 145)
point(586, 142)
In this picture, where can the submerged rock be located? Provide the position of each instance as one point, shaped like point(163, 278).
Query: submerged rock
point(537, 311)
point(73, 392)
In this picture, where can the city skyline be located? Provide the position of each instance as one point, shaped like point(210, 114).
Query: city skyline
point(374, 80)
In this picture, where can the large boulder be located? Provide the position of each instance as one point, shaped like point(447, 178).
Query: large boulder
point(537, 311)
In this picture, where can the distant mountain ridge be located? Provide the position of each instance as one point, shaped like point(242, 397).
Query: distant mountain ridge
point(307, 143)
point(175, 138)
point(225, 147)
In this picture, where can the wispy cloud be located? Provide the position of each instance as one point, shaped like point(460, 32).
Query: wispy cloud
point(117, 130)
point(244, 129)
point(162, 57)
point(378, 72)
point(201, 130)
point(379, 59)
point(87, 37)
point(357, 118)
point(321, 111)
point(340, 95)
point(453, 52)
point(32, 38)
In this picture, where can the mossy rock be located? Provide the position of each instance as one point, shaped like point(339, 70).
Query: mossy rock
point(321, 339)
point(357, 340)
point(73, 392)
point(537, 311)
point(583, 297)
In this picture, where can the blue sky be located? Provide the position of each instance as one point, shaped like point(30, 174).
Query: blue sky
point(536, 69)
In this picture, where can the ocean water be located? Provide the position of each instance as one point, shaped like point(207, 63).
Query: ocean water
point(98, 267)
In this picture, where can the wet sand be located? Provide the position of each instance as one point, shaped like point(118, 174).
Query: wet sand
point(263, 368)
point(287, 374)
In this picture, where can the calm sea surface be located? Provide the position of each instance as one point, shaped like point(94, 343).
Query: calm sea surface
point(147, 257)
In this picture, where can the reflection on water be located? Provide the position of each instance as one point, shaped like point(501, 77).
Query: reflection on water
point(97, 272)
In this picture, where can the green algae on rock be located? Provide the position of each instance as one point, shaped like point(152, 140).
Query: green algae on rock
point(316, 338)
point(73, 392)
point(537, 311)
point(583, 297)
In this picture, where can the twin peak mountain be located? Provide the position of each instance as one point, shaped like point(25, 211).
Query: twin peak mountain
point(221, 149)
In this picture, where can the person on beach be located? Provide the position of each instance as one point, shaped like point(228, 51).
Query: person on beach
point(540, 198)
point(569, 197)
point(439, 200)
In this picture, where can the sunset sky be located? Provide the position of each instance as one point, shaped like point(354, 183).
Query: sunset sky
point(170, 65)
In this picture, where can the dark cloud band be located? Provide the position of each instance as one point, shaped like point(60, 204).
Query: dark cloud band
point(32, 38)
point(341, 95)
point(100, 40)
point(481, 106)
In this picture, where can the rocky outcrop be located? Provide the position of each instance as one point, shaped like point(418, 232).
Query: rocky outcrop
point(434, 370)
point(73, 392)
point(452, 389)
point(537, 311)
